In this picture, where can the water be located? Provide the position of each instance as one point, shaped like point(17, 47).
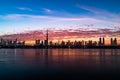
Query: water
point(59, 63)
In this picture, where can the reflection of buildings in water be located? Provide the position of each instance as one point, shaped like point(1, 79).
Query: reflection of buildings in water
point(42, 52)
point(93, 56)
point(109, 58)
point(29, 52)
point(114, 52)
point(37, 52)
point(37, 55)
point(62, 57)
point(90, 52)
point(66, 52)
point(90, 56)
point(62, 52)
point(102, 56)
point(115, 58)
point(15, 54)
point(101, 52)
point(46, 52)
point(46, 57)
point(12, 55)
point(54, 57)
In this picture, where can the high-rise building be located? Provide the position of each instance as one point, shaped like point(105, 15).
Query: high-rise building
point(3, 42)
point(37, 42)
point(51, 43)
point(111, 40)
point(42, 43)
point(103, 41)
point(82, 42)
point(90, 43)
point(115, 41)
point(100, 41)
point(63, 43)
point(9, 42)
point(15, 42)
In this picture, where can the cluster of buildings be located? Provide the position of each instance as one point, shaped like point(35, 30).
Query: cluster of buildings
point(46, 43)
point(15, 42)
point(69, 43)
point(101, 42)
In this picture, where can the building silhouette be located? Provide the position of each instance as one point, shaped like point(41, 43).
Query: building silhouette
point(113, 41)
point(61, 44)
point(51, 44)
point(3, 42)
point(15, 42)
point(37, 42)
point(101, 41)
point(46, 41)
point(11, 43)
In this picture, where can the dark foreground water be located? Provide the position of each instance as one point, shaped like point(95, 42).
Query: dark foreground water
point(41, 64)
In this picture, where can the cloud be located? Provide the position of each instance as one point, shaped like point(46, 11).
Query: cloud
point(11, 16)
point(90, 9)
point(56, 34)
point(115, 26)
point(39, 17)
point(24, 8)
point(101, 13)
point(48, 11)
point(94, 10)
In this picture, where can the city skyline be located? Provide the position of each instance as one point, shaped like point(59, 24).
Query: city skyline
point(65, 20)
point(55, 37)
point(76, 43)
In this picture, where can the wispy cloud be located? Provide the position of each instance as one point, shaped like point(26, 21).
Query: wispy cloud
point(24, 8)
point(104, 14)
point(95, 10)
point(39, 17)
point(90, 9)
point(48, 11)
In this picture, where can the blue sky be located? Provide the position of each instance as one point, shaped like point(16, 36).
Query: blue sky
point(18, 16)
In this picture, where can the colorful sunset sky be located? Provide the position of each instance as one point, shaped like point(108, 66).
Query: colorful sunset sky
point(65, 19)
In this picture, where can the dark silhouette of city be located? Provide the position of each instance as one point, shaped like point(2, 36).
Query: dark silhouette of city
point(69, 44)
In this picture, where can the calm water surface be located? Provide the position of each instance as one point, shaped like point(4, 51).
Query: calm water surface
point(59, 63)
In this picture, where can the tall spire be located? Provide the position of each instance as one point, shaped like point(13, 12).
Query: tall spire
point(46, 39)
point(47, 35)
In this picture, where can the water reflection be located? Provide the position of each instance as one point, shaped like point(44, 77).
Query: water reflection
point(61, 58)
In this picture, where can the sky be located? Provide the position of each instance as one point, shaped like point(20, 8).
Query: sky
point(65, 19)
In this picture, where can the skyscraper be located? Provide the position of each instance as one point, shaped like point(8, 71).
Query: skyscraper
point(37, 42)
point(100, 41)
point(103, 41)
point(111, 40)
point(115, 41)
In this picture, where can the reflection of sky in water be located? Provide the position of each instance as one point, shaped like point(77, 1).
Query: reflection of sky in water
point(42, 61)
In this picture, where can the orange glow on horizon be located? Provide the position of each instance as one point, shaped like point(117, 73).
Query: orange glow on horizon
point(107, 40)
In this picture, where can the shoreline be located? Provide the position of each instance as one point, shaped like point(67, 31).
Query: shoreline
point(59, 47)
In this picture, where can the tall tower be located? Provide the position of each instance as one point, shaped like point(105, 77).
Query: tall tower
point(46, 45)
point(100, 41)
point(103, 41)
point(115, 42)
point(111, 40)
